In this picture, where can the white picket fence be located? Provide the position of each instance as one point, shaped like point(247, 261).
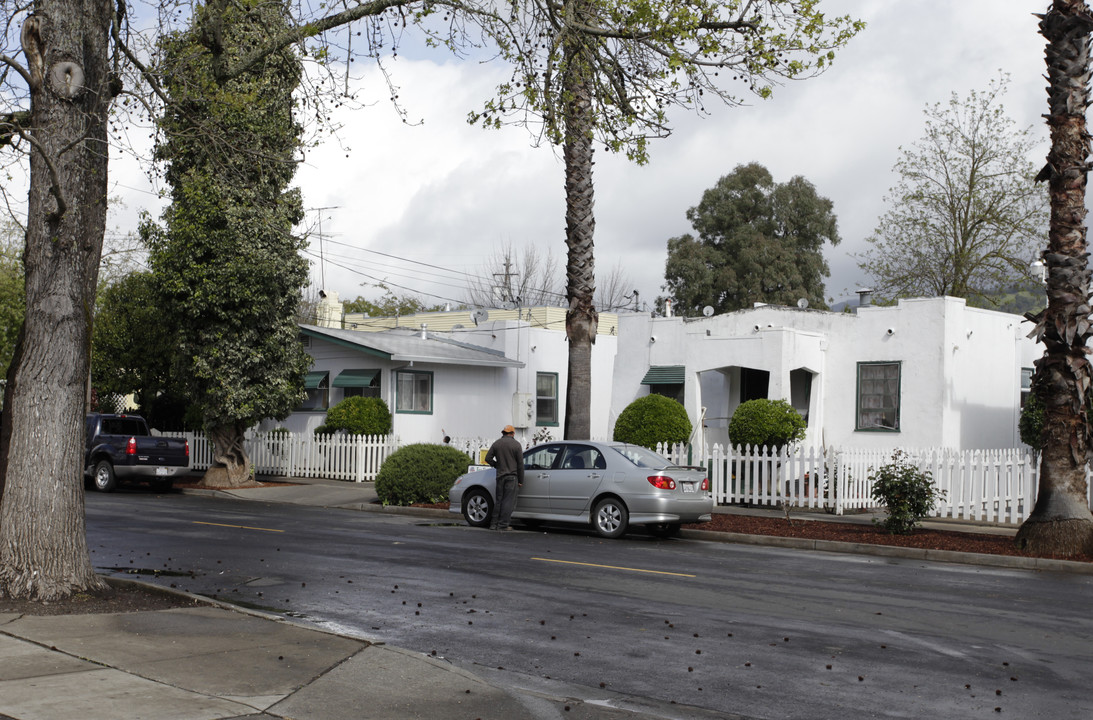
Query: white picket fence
point(356, 458)
point(997, 486)
point(981, 485)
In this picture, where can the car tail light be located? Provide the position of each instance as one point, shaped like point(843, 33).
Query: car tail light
point(661, 482)
point(705, 484)
point(131, 446)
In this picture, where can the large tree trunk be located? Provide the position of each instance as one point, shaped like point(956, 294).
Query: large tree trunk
point(581, 321)
point(1061, 523)
point(43, 548)
point(231, 464)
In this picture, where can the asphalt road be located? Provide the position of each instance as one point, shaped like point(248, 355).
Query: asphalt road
point(738, 630)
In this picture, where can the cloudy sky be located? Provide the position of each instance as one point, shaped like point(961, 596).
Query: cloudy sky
point(420, 206)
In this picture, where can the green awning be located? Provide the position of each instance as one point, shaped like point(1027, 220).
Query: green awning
point(315, 380)
point(355, 378)
point(664, 375)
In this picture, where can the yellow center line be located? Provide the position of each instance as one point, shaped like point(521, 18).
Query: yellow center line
point(244, 527)
point(613, 567)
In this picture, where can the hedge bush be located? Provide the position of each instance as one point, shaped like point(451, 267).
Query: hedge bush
point(419, 473)
point(653, 419)
point(357, 416)
point(766, 423)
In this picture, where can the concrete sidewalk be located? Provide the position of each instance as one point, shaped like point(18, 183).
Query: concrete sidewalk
point(219, 661)
point(208, 663)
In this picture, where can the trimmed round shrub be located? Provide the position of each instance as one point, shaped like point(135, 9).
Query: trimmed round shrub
point(653, 419)
point(766, 423)
point(357, 416)
point(419, 473)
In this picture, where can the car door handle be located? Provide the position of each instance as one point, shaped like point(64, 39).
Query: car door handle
point(594, 476)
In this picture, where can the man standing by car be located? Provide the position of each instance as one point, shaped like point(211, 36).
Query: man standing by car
point(507, 458)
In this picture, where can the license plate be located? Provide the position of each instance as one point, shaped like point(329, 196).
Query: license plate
point(163, 471)
point(688, 487)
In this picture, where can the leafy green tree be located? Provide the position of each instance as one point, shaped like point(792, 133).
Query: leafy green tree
point(607, 71)
point(390, 304)
point(965, 218)
point(758, 241)
point(653, 419)
point(228, 263)
point(1060, 523)
point(131, 345)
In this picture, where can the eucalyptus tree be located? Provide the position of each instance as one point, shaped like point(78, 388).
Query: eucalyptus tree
point(1061, 523)
point(758, 241)
point(608, 72)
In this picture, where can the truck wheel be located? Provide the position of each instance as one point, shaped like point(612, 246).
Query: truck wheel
point(105, 481)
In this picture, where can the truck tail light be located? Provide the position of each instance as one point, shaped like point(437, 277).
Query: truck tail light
point(131, 446)
point(660, 482)
point(187, 448)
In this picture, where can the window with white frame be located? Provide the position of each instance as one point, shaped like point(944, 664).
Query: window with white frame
point(546, 398)
point(413, 391)
point(878, 396)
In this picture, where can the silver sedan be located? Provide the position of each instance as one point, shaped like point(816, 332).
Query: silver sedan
point(608, 485)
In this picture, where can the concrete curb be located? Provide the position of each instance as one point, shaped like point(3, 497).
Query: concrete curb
point(894, 551)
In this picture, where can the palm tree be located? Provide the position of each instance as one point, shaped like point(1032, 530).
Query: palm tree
point(581, 319)
point(1061, 522)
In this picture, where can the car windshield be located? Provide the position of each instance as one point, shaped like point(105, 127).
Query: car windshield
point(642, 457)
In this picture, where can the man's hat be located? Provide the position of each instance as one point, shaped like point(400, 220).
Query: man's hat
point(508, 429)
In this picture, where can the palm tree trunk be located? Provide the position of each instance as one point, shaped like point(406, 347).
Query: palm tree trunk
point(1061, 522)
point(581, 320)
point(43, 544)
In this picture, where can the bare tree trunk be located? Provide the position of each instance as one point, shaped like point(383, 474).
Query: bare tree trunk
point(43, 546)
point(1061, 523)
point(581, 321)
point(232, 464)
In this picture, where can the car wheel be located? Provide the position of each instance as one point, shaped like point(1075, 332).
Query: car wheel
point(610, 518)
point(665, 529)
point(105, 481)
point(478, 508)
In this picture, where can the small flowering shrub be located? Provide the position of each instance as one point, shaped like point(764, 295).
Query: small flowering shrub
point(908, 494)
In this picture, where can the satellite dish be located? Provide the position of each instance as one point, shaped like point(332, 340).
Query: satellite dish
point(802, 303)
point(707, 311)
point(479, 316)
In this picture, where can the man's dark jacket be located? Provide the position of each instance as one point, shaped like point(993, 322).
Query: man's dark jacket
point(507, 457)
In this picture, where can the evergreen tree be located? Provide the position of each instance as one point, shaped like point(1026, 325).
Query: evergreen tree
point(227, 261)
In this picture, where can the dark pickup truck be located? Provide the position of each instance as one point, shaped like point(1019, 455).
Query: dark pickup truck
point(120, 449)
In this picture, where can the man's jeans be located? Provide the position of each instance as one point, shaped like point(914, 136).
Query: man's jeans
point(504, 501)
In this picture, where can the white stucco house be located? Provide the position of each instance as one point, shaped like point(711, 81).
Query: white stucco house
point(926, 373)
point(453, 373)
